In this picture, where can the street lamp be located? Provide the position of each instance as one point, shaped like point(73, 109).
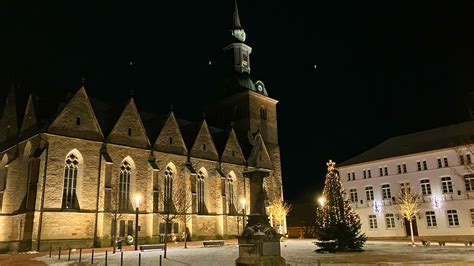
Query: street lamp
point(137, 201)
point(242, 202)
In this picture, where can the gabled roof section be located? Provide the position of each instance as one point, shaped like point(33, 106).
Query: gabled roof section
point(107, 113)
point(29, 125)
point(259, 156)
point(129, 129)
point(203, 146)
point(170, 138)
point(232, 152)
point(77, 119)
point(423, 141)
point(9, 119)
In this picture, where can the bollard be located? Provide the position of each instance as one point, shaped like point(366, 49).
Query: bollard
point(106, 258)
point(160, 260)
point(59, 254)
point(139, 259)
point(92, 260)
point(80, 254)
point(50, 251)
point(69, 256)
point(121, 258)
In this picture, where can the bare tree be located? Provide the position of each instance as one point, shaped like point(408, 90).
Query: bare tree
point(183, 206)
point(116, 213)
point(175, 207)
point(278, 210)
point(409, 207)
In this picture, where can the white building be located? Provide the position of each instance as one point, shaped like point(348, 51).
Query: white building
point(436, 163)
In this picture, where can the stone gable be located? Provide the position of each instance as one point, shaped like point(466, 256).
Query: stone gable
point(129, 129)
point(203, 146)
point(232, 152)
point(77, 119)
point(170, 138)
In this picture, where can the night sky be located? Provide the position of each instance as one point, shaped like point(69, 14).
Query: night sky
point(383, 68)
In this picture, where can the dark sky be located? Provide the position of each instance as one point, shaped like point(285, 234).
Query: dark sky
point(384, 68)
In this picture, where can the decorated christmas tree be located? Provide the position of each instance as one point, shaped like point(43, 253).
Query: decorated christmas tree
point(338, 225)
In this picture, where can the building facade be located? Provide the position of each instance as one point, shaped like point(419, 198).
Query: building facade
point(72, 177)
point(437, 164)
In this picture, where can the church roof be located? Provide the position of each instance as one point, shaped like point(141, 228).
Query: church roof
point(423, 141)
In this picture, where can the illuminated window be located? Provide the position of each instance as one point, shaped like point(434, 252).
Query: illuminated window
point(200, 192)
point(124, 186)
point(469, 182)
point(353, 194)
point(369, 193)
point(373, 221)
point(447, 184)
point(425, 187)
point(453, 219)
point(390, 220)
point(386, 191)
point(431, 219)
point(70, 182)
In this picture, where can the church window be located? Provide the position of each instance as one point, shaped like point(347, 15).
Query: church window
point(168, 188)
point(171, 140)
point(70, 182)
point(124, 185)
point(230, 186)
point(263, 113)
point(203, 147)
point(78, 121)
point(200, 192)
point(129, 131)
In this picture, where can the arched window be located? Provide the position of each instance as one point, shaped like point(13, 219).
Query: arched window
point(200, 192)
point(168, 188)
point(71, 168)
point(230, 188)
point(263, 113)
point(124, 186)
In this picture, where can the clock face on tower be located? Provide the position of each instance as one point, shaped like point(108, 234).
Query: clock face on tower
point(260, 87)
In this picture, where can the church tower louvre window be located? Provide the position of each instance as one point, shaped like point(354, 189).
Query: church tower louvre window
point(70, 182)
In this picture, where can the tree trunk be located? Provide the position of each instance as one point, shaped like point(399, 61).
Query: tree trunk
point(166, 235)
point(411, 232)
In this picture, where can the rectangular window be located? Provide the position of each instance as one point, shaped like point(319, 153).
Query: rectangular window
point(385, 170)
point(405, 186)
point(122, 228)
point(373, 221)
point(447, 184)
point(390, 220)
point(469, 182)
point(425, 187)
point(353, 175)
point(162, 228)
point(468, 158)
point(130, 228)
point(445, 159)
point(418, 166)
point(369, 193)
point(404, 166)
point(472, 217)
point(175, 228)
point(369, 173)
point(399, 168)
point(453, 219)
point(439, 163)
point(431, 219)
point(461, 159)
point(353, 194)
point(364, 173)
point(348, 176)
point(386, 191)
point(425, 166)
point(381, 171)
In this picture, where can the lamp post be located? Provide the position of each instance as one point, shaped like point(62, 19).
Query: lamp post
point(137, 201)
point(242, 202)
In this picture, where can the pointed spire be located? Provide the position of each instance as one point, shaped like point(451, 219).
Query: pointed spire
point(236, 16)
point(8, 121)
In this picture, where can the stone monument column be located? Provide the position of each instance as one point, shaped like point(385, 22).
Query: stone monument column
point(259, 243)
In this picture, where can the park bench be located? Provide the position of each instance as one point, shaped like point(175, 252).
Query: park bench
point(218, 243)
point(425, 243)
point(153, 246)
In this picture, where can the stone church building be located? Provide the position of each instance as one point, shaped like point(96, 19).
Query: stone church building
point(71, 178)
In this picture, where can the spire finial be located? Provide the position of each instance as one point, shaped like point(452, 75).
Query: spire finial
point(132, 92)
point(172, 108)
point(236, 16)
point(204, 115)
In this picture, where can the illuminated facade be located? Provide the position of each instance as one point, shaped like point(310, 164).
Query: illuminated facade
point(67, 176)
point(437, 164)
